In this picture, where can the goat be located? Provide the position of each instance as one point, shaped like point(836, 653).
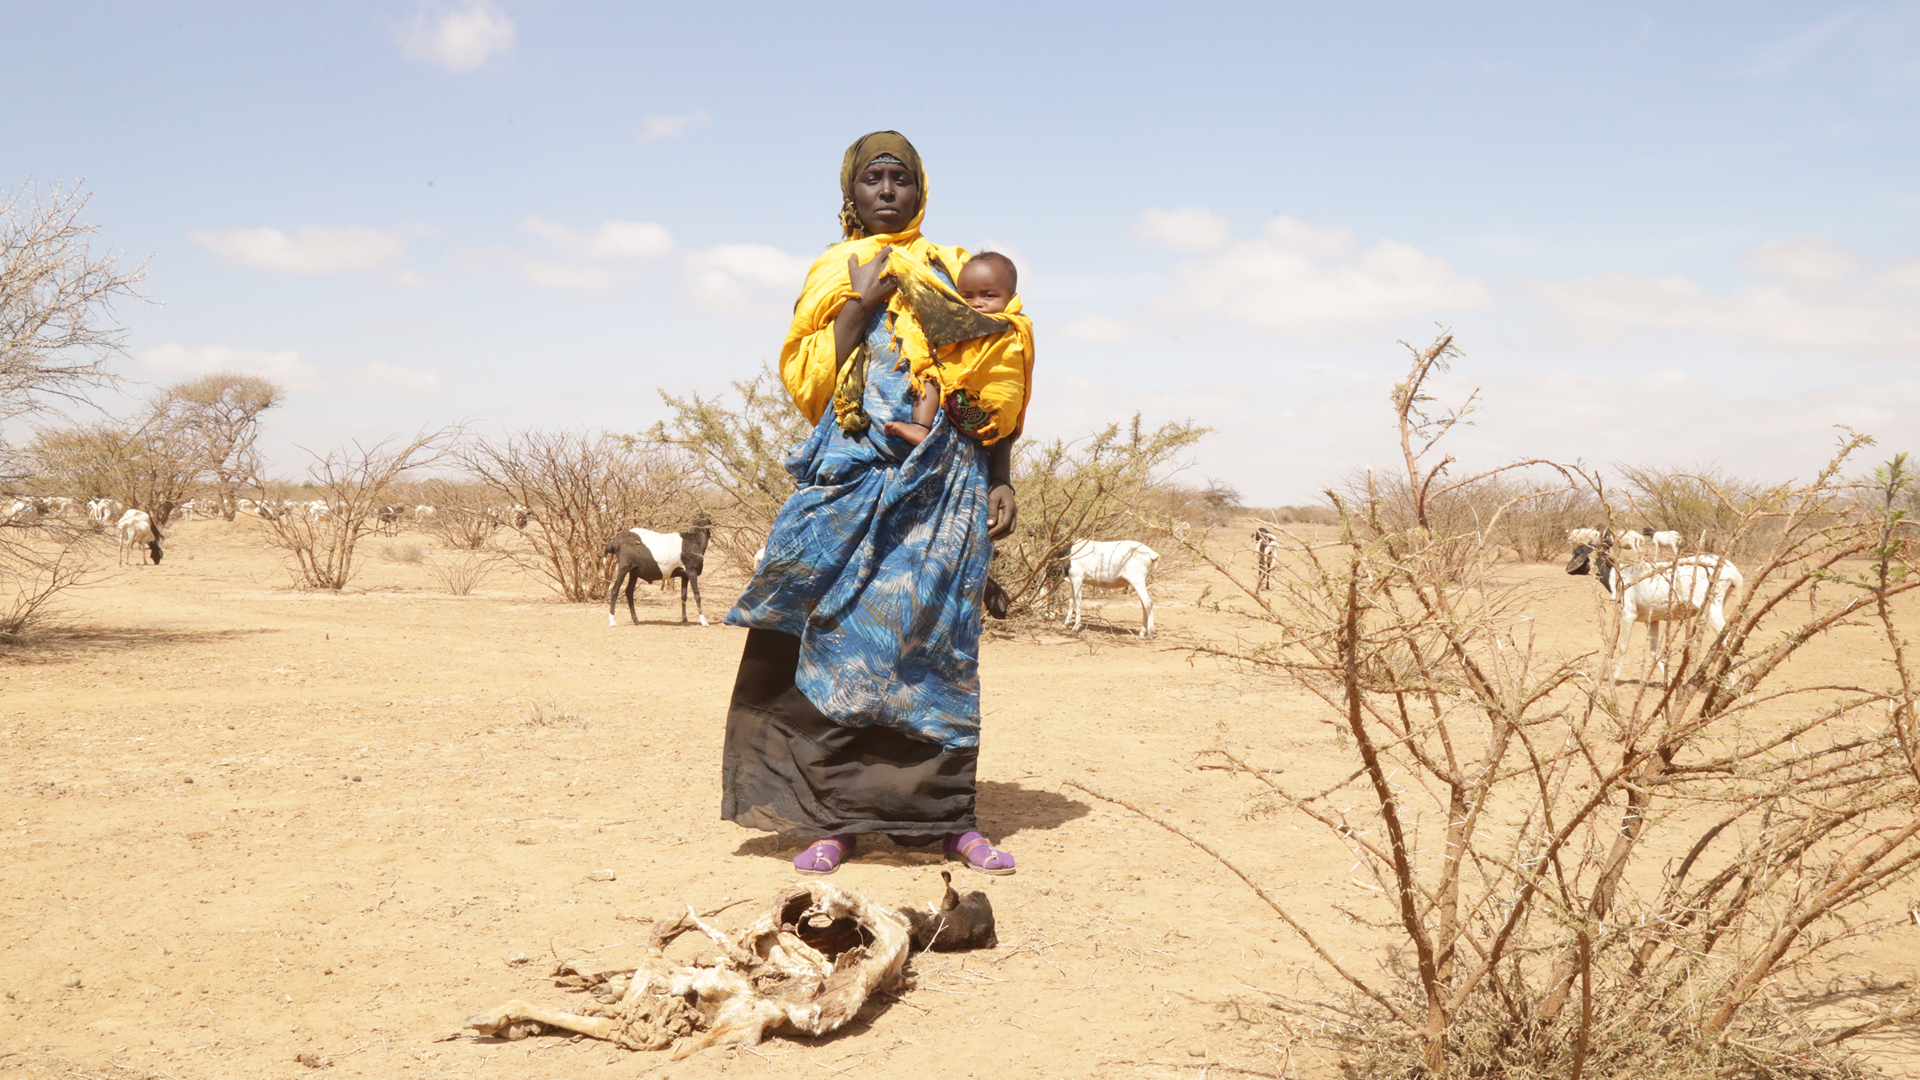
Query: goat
point(389, 519)
point(1631, 542)
point(137, 528)
point(1576, 537)
point(640, 555)
point(1659, 593)
point(1266, 549)
point(1666, 540)
point(1105, 562)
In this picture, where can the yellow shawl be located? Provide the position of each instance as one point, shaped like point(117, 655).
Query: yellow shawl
point(990, 356)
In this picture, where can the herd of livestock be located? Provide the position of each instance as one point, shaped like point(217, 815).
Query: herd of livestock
point(1651, 592)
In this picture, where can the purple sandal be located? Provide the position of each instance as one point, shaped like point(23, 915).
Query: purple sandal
point(825, 855)
point(978, 853)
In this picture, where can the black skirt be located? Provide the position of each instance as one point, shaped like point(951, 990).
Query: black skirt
point(788, 768)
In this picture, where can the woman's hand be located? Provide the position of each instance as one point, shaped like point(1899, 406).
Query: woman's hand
point(875, 286)
point(871, 279)
point(1002, 511)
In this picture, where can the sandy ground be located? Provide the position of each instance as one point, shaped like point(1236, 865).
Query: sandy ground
point(240, 823)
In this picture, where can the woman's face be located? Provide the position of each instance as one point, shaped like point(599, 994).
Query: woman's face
point(886, 197)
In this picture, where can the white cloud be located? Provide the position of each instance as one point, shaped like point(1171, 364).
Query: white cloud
point(1809, 262)
point(1101, 328)
point(613, 252)
point(1819, 297)
point(179, 361)
point(730, 277)
point(669, 127)
point(463, 39)
point(284, 367)
point(1303, 281)
point(311, 249)
point(1186, 229)
point(382, 377)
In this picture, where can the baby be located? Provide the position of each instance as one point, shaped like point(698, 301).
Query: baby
point(987, 283)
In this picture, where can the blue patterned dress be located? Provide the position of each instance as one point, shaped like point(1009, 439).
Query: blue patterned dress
point(877, 564)
point(857, 704)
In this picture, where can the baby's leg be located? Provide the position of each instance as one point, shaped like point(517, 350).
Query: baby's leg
point(923, 413)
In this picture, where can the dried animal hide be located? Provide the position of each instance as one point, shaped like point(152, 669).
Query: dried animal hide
point(806, 967)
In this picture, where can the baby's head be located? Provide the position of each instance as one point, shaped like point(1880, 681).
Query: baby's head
point(988, 281)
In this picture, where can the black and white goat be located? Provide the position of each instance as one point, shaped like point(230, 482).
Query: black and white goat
point(1266, 550)
point(1659, 593)
point(640, 555)
point(138, 529)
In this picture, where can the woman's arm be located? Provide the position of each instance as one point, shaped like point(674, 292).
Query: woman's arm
point(1002, 509)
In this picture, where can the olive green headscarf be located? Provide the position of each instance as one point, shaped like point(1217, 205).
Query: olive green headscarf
point(861, 154)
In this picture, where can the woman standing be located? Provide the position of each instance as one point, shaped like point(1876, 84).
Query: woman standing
point(857, 705)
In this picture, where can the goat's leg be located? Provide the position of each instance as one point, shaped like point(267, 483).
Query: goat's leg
point(613, 595)
point(683, 599)
point(1626, 641)
point(1139, 583)
point(1654, 657)
point(633, 582)
point(497, 1021)
point(698, 608)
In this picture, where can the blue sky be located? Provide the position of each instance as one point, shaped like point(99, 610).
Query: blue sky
point(1665, 234)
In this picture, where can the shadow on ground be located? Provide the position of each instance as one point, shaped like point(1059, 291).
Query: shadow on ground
point(59, 644)
point(1006, 808)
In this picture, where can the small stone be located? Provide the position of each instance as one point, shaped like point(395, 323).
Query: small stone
point(601, 875)
point(517, 959)
point(356, 779)
point(187, 780)
point(311, 1061)
point(1197, 1050)
point(72, 981)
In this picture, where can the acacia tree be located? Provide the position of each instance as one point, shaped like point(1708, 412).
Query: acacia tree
point(220, 413)
point(56, 299)
point(152, 463)
point(56, 334)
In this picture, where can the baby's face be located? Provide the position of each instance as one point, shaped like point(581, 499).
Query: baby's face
point(984, 286)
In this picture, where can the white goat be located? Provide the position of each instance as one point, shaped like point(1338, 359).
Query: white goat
point(1576, 537)
point(1106, 562)
point(1667, 540)
point(138, 530)
point(1660, 593)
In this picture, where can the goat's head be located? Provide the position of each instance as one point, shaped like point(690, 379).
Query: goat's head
point(1595, 560)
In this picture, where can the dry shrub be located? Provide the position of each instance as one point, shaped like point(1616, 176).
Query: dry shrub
point(554, 712)
point(38, 562)
point(355, 481)
point(581, 489)
point(1584, 878)
point(462, 571)
point(737, 447)
point(462, 515)
point(1706, 506)
point(408, 554)
point(1117, 484)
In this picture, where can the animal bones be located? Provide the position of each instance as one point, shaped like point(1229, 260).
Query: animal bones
point(805, 966)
